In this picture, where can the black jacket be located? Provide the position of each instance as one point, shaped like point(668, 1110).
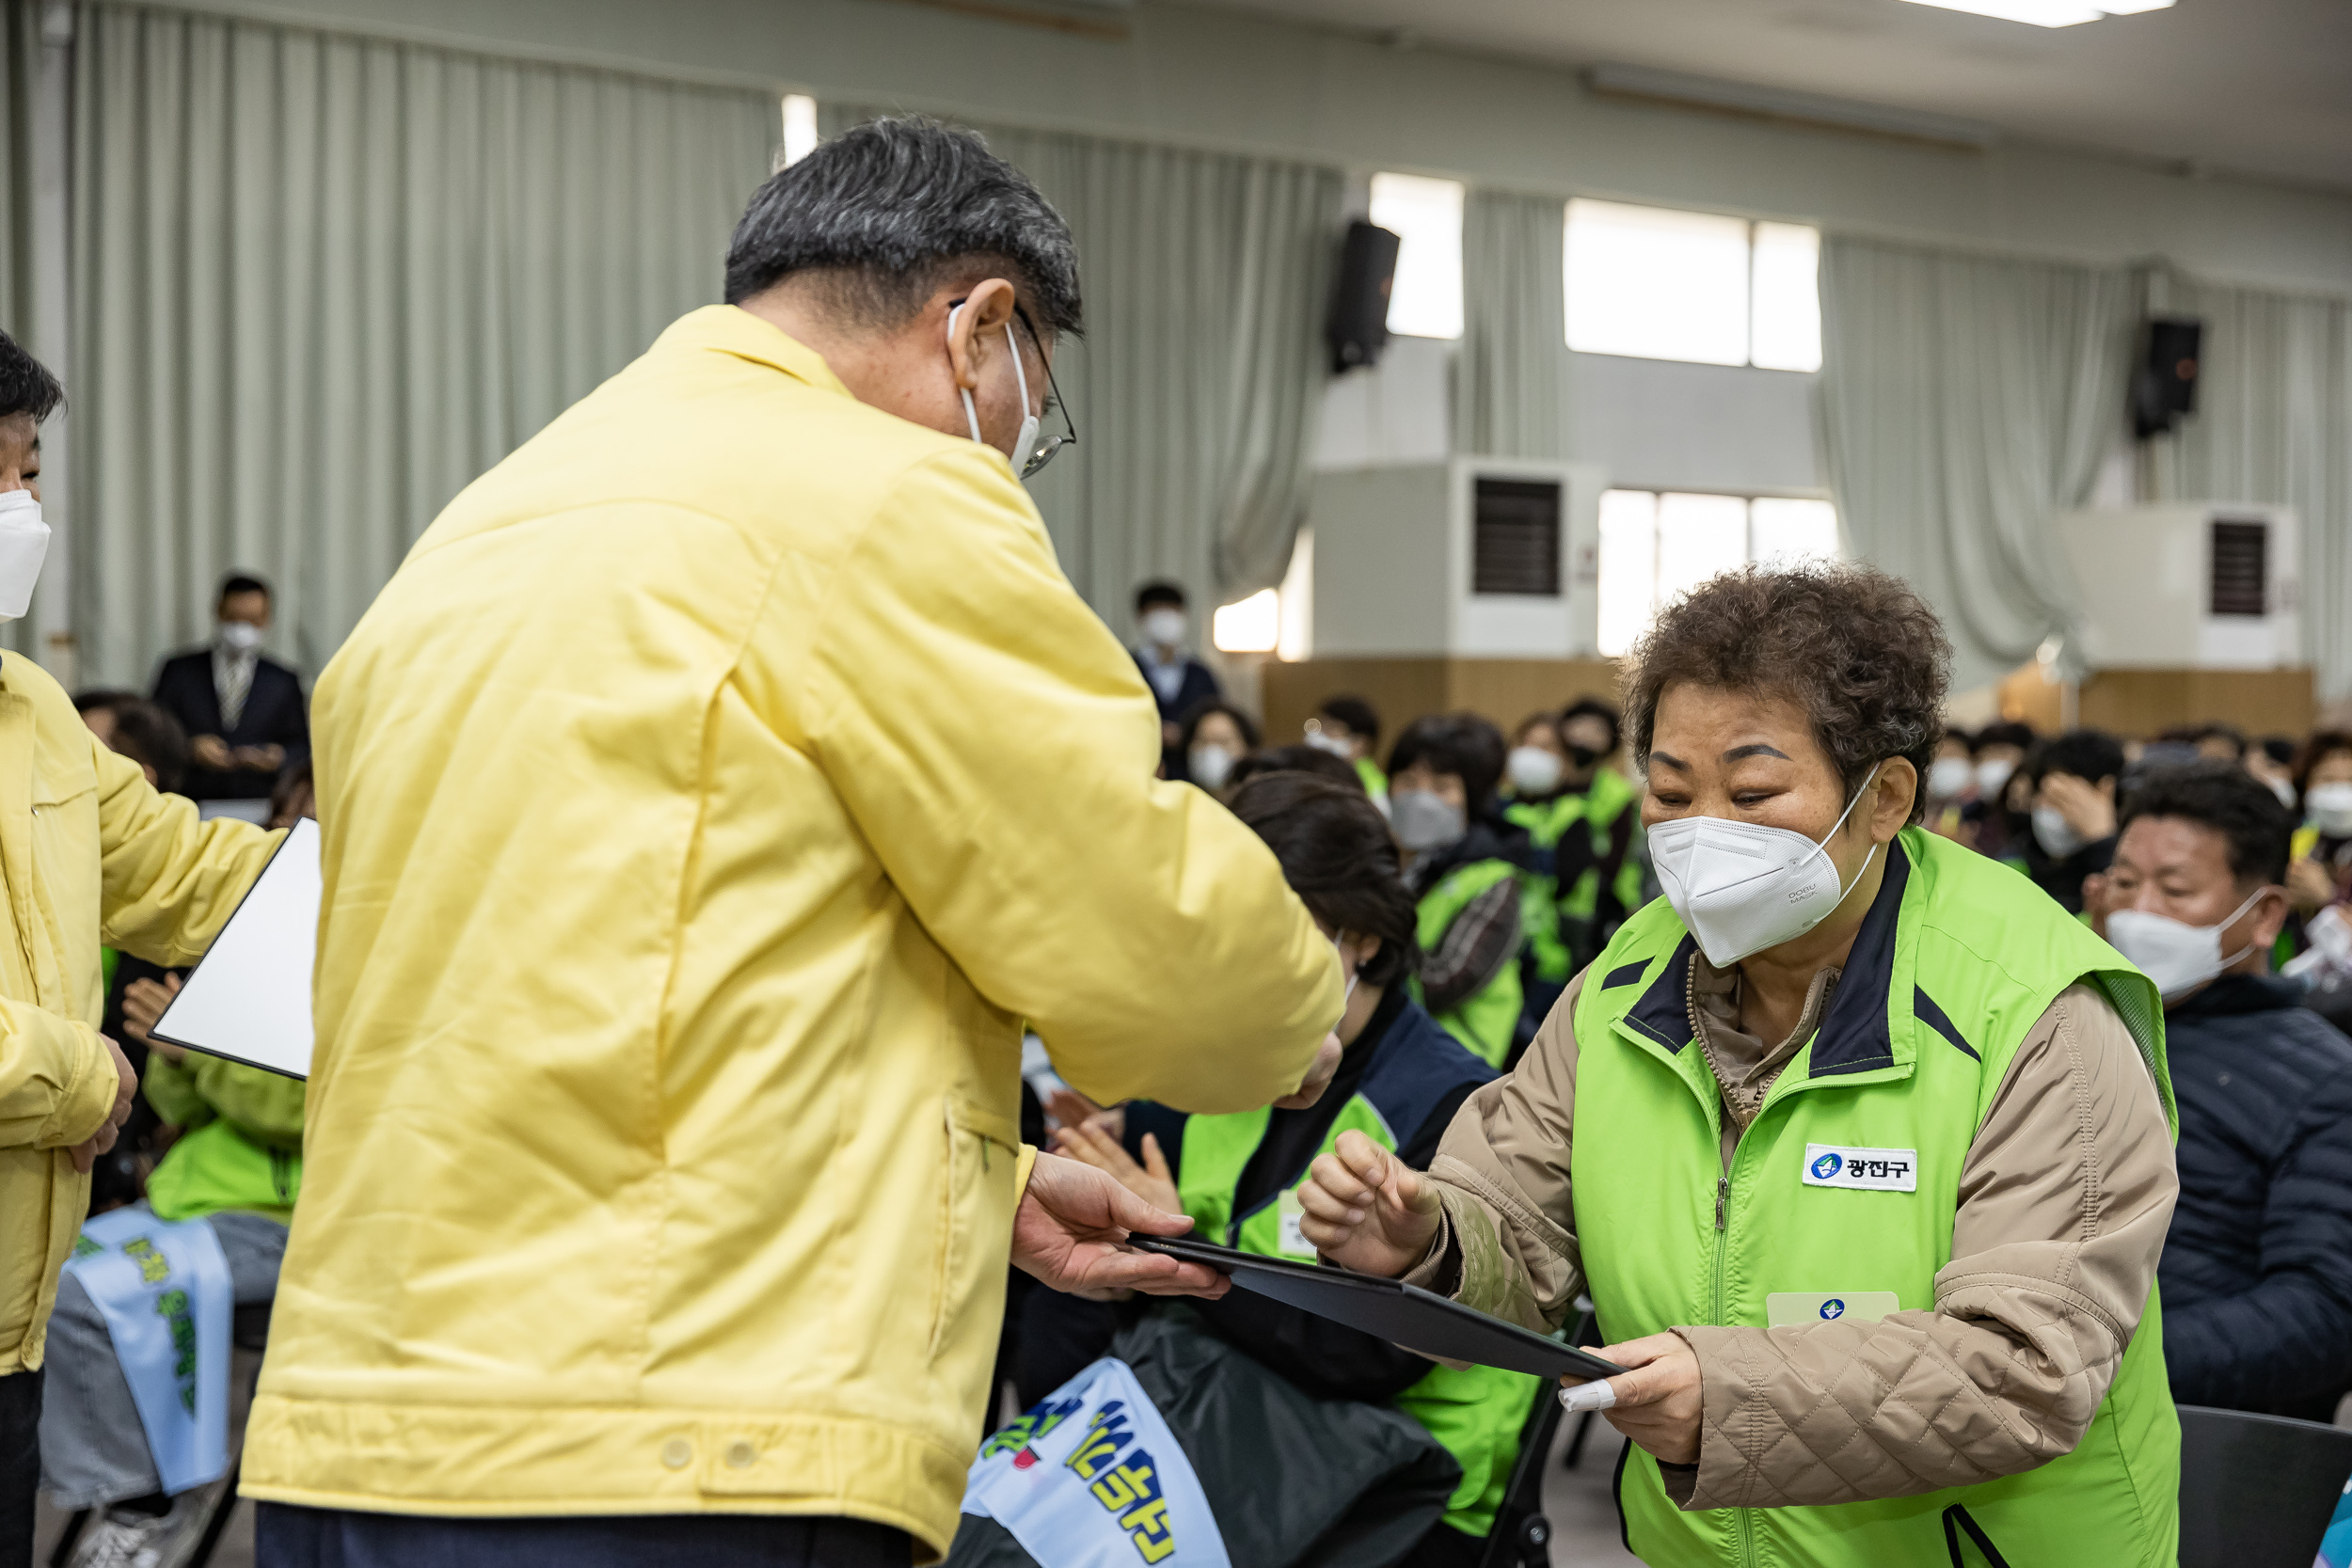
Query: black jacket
point(2257, 1269)
point(275, 713)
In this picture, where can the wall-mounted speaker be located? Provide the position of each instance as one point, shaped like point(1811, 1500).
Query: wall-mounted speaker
point(1359, 328)
point(2164, 383)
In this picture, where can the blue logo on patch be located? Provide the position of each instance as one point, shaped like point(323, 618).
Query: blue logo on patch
point(1827, 1167)
point(1833, 1308)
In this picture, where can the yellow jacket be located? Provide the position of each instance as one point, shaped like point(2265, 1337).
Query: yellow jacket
point(89, 856)
point(706, 800)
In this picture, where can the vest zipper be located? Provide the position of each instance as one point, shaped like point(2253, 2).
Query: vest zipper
point(1722, 1248)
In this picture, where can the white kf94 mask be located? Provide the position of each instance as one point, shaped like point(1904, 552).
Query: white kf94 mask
point(1742, 887)
point(2178, 956)
point(24, 543)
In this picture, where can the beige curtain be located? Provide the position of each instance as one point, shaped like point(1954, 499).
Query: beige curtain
point(2274, 426)
point(1510, 375)
point(1966, 401)
point(1205, 275)
point(320, 283)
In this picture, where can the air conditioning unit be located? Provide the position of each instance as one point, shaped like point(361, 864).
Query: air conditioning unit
point(1477, 556)
point(2197, 586)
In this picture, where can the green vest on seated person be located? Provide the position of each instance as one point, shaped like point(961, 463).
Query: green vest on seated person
point(1476, 1412)
point(1954, 963)
point(1485, 1019)
point(1562, 923)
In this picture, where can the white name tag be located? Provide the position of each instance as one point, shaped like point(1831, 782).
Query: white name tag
point(1294, 1242)
point(1870, 1170)
point(1783, 1309)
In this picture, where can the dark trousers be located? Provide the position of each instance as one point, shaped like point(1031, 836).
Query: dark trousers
point(290, 1537)
point(20, 1465)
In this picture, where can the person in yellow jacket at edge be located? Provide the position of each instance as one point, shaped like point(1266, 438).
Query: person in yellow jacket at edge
point(90, 856)
point(708, 798)
point(1861, 1143)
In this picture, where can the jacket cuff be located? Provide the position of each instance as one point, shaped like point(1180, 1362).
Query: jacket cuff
point(89, 1099)
point(1022, 1164)
point(1724, 1477)
point(1439, 1271)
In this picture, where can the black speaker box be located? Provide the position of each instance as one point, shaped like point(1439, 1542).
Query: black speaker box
point(1359, 327)
point(2164, 384)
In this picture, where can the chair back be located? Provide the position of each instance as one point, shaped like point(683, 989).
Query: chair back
point(2257, 1491)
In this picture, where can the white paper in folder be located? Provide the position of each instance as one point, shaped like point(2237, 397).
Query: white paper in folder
point(250, 999)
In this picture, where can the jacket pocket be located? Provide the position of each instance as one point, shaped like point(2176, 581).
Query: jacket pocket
point(974, 1210)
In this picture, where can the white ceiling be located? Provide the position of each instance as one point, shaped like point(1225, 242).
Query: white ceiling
point(2256, 87)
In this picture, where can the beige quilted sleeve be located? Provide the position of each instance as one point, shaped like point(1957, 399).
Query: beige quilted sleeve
point(2064, 1201)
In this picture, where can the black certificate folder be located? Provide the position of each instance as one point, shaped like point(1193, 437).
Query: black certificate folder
point(1402, 1314)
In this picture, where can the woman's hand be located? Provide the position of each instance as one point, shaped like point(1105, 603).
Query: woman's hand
point(143, 1004)
point(1098, 1147)
point(1366, 1210)
point(1069, 1229)
point(1066, 1107)
point(2088, 810)
point(1657, 1400)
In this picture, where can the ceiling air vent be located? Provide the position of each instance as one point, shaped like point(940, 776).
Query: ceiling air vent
point(2240, 579)
point(1515, 546)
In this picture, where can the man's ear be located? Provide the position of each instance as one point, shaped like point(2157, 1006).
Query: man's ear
point(976, 329)
point(2270, 916)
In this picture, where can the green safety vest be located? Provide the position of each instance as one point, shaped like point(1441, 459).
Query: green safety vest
point(1955, 962)
point(1560, 924)
point(1476, 1412)
point(1486, 1019)
point(1376, 782)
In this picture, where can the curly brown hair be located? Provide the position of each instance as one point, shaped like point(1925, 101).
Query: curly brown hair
point(1854, 647)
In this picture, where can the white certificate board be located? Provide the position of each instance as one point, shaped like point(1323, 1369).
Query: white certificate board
point(250, 999)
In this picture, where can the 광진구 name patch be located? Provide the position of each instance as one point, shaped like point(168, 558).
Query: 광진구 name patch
point(1868, 1170)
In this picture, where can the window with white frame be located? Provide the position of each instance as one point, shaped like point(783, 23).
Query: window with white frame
point(1426, 216)
point(1655, 545)
point(1660, 283)
point(799, 127)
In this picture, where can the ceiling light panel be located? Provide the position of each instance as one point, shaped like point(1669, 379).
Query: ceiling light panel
point(2048, 14)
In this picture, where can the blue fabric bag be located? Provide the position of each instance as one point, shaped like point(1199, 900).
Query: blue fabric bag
point(164, 1288)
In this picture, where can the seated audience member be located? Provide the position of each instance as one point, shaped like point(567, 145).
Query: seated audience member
point(2320, 873)
point(1998, 750)
point(1301, 758)
point(1349, 729)
point(243, 714)
point(2072, 780)
point(1215, 736)
point(1179, 682)
point(1588, 872)
point(1401, 1080)
point(1462, 863)
point(236, 1165)
point(132, 726)
point(1950, 787)
point(2257, 1266)
point(2271, 759)
point(2220, 742)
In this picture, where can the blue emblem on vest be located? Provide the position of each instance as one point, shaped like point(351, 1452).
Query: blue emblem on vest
point(1833, 1308)
point(1827, 1167)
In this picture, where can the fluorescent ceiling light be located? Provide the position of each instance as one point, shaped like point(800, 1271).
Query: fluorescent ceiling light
point(1802, 108)
point(2048, 14)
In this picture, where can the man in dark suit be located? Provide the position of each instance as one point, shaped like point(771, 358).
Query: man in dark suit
point(244, 715)
point(1177, 679)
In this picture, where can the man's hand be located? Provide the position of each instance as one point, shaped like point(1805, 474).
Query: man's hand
point(2089, 811)
point(126, 1091)
point(1366, 1210)
point(1326, 1066)
point(143, 1004)
point(1099, 1147)
point(2310, 886)
point(1068, 1231)
point(258, 759)
point(209, 750)
point(1657, 1400)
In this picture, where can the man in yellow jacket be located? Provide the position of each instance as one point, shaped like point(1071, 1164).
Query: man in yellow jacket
point(91, 855)
point(708, 799)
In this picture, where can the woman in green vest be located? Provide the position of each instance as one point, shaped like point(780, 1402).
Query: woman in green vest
point(1401, 1078)
point(1587, 870)
point(1859, 1142)
point(1462, 862)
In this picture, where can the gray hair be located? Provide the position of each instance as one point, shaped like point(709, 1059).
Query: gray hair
point(897, 206)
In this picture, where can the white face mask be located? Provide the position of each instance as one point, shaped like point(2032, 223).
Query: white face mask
point(240, 637)
point(2056, 835)
point(2284, 790)
point(1209, 766)
point(24, 544)
point(1948, 778)
point(1025, 443)
point(2331, 808)
point(1742, 887)
point(1323, 740)
point(1533, 771)
point(1992, 773)
point(2178, 958)
point(1425, 822)
point(1165, 628)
